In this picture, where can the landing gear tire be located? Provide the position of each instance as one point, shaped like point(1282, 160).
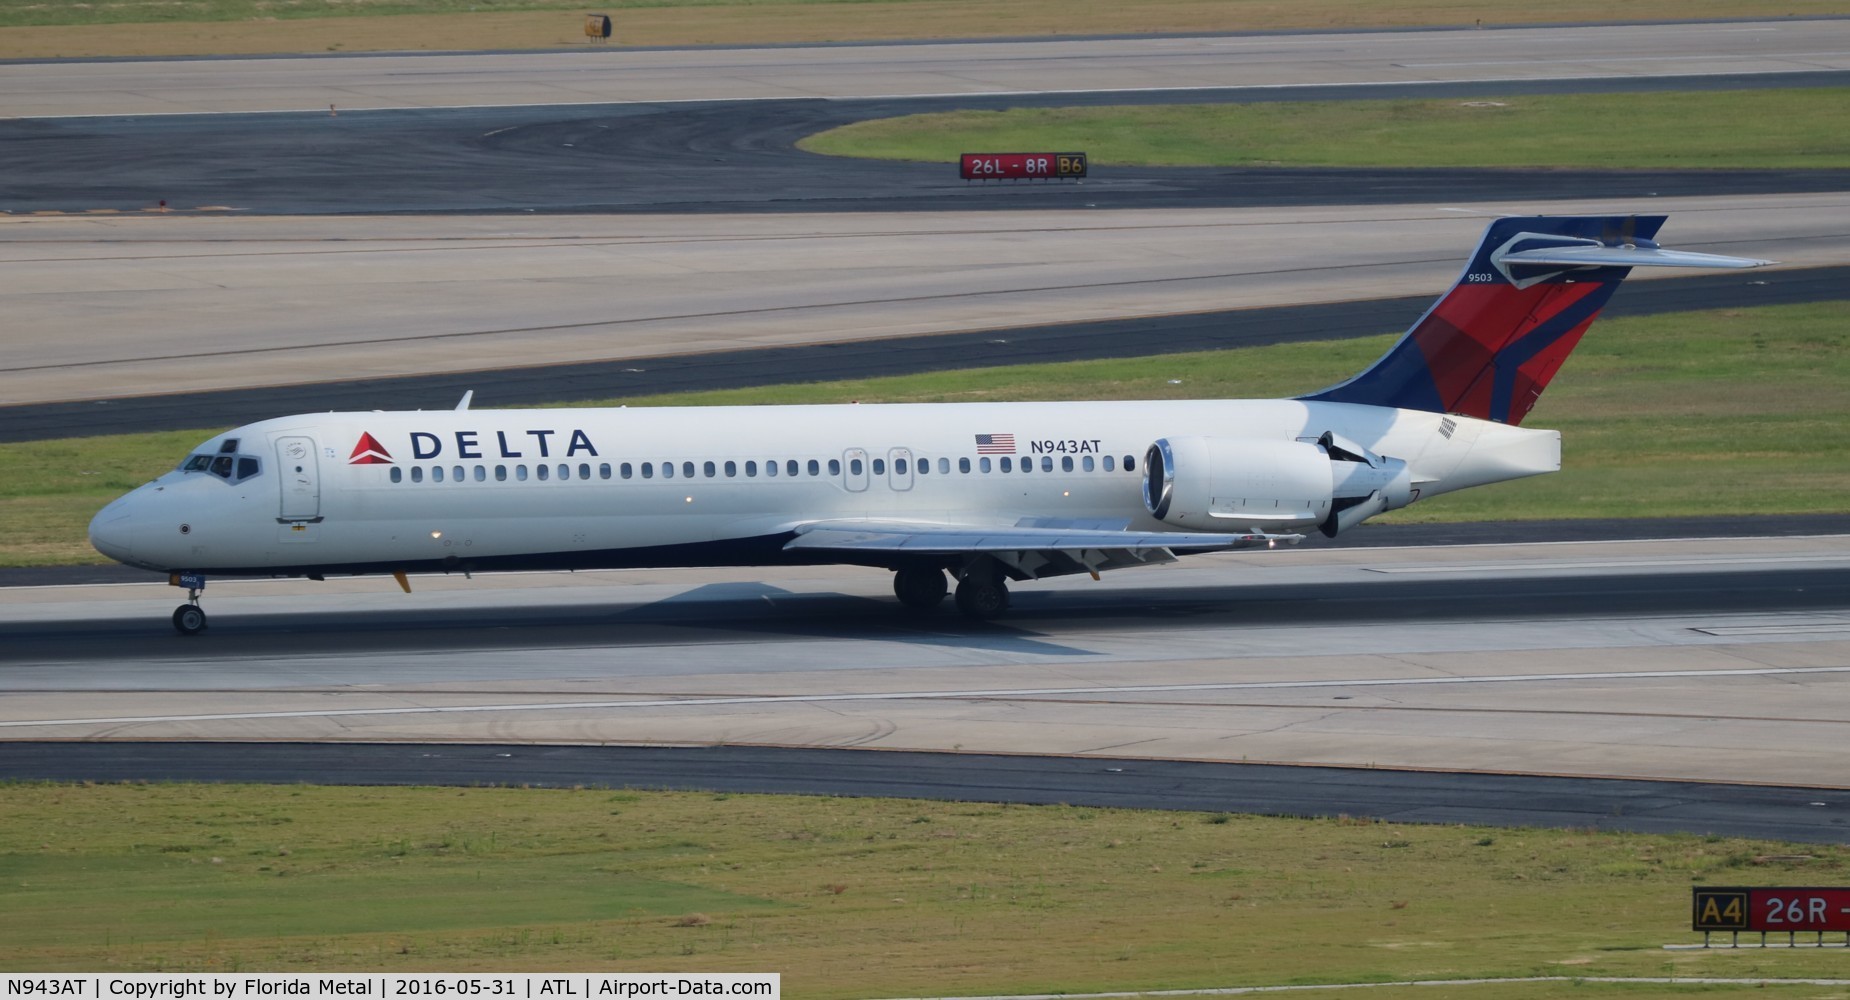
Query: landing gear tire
point(920, 589)
point(982, 598)
point(189, 619)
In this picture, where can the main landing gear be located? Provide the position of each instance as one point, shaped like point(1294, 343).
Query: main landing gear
point(189, 618)
point(920, 588)
point(982, 590)
point(982, 595)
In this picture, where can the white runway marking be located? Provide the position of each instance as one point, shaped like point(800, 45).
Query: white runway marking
point(974, 694)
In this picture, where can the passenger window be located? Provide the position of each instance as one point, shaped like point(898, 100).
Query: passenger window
point(790, 467)
point(1130, 464)
point(1086, 463)
point(815, 467)
point(880, 467)
point(1027, 465)
point(625, 470)
point(834, 466)
point(1108, 461)
point(398, 474)
point(539, 470)
point(247, 467)
point(984, 462)
point(944, 467)
point(648, 470)
point(924, 466)
point(481, 474)
point(1047, 464)
point(709, 470)
point(456, 473)
point(770, 468)
point(963, 465)
point(565, 471)
point(751, 469)
point(854, 466)
point(584, 470)
point(436, 474)
point(732, 470)
point(520, 472)
point(500, 473)
point(667, 470)
point(603, 471)
point(687, 470)
point(1006, 464)
point(417, 473)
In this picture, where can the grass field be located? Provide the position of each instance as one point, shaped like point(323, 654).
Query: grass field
point(1680, 130)
point(50, 28)
point(1735, 412)
point(848, 897)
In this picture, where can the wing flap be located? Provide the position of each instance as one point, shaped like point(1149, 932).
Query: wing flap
point(889, 536)
point(1030, 552)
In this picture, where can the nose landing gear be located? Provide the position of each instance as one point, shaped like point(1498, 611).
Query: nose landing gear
point(189, 618)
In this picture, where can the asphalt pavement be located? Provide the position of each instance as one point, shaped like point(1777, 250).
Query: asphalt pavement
point(1797, 814)
point(740, 156)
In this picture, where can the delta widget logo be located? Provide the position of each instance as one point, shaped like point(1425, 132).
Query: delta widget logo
point(369, 452)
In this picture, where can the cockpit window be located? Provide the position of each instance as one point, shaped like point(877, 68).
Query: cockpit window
point(225, 464)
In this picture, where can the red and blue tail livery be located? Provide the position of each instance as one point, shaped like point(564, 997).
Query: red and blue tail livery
point(1489, 347)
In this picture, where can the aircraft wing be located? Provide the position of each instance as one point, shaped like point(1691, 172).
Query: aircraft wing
point(1034, 550)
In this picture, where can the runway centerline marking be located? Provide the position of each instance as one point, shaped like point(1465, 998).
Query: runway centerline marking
point(965, 695)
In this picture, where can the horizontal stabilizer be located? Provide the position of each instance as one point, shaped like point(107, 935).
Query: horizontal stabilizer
point(1628, 256)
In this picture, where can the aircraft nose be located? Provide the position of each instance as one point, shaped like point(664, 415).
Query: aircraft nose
point(112, 534)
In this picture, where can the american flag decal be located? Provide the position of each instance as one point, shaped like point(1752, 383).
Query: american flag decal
point(995, 444)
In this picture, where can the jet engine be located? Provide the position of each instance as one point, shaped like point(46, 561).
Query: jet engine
point(1247, 484)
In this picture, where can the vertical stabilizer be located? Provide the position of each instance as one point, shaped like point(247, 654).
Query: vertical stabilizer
point(1489, 347)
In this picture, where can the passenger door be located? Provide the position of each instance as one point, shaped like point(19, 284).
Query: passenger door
point(300, 479)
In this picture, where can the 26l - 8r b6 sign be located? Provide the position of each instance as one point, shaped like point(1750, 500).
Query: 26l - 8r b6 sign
point(1022, 166)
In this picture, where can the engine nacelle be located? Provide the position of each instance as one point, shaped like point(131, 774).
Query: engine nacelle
point(1245, 484)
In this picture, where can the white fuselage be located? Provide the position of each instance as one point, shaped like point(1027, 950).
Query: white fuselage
point(582, 488)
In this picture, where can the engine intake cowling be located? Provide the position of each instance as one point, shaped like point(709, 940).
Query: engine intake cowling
point(1245, 484)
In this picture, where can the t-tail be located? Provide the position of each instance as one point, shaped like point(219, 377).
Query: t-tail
point(1489, 347)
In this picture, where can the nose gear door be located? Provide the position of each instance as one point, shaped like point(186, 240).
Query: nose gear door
point(300, 479)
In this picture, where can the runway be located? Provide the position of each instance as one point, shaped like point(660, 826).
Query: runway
point(220, 304)
point(1676, 659)
point(45, 89)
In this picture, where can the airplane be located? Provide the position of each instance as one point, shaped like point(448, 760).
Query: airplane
point(988, 493)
